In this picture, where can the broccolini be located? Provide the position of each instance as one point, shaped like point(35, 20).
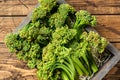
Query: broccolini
point(59, 50)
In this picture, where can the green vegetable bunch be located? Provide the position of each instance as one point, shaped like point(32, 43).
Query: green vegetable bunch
point(55, 44)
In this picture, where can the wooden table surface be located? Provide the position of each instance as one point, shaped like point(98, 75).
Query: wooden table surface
point(12, 12)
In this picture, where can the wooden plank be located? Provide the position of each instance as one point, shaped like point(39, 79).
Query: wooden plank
point(4, 49)
point(15, 10)
point(118, 66)
point(8, 24)
point(113, 70)
point(98, 2)
point(13, 69)
point(14, 7)
point(112, 77)
point(109, 20)
point(97, 6)
point(18, 2)
point(108, 27)
point(117, 45)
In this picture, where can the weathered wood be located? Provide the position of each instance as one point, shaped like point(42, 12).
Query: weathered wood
point(18, 2)
point(113, 70)
point(16, 7)
point(22, 7)
point(109, 20)
point(98, 2)
point(11, 69)
point(4, 50)
point(97, 6)
point(14, 10)
point(113, 77)
point(109, 31)
point(8, 24)
point(117, 45)
point(108, 26)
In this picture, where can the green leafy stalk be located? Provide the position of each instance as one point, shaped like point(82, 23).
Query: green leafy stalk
point(81, 66)
point(64, 76)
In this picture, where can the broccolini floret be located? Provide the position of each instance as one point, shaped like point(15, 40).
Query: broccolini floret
point(13, 42)
point(41, 11)
point(63, 35)
point(58, 19)
point(83, 19)
point(49, 4)
point(29, 32)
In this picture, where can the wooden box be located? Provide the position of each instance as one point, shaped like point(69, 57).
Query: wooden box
point(105, 68)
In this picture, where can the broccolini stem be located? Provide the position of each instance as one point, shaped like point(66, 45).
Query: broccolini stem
point(68, 58)
point(83, 54)
point(64, 68)
point(64, 76)
point(79, 71)
point(81, 66)
point(92, 63)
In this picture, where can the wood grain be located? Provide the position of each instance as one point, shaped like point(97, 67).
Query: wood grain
point(16, 7)
point(97, 6)
point(8, 24)
point(98, 2)
point(108, 26)
point(22, 7)
point(13, 10)
point(117, 45)
point(13, 69)
point(18, 2)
